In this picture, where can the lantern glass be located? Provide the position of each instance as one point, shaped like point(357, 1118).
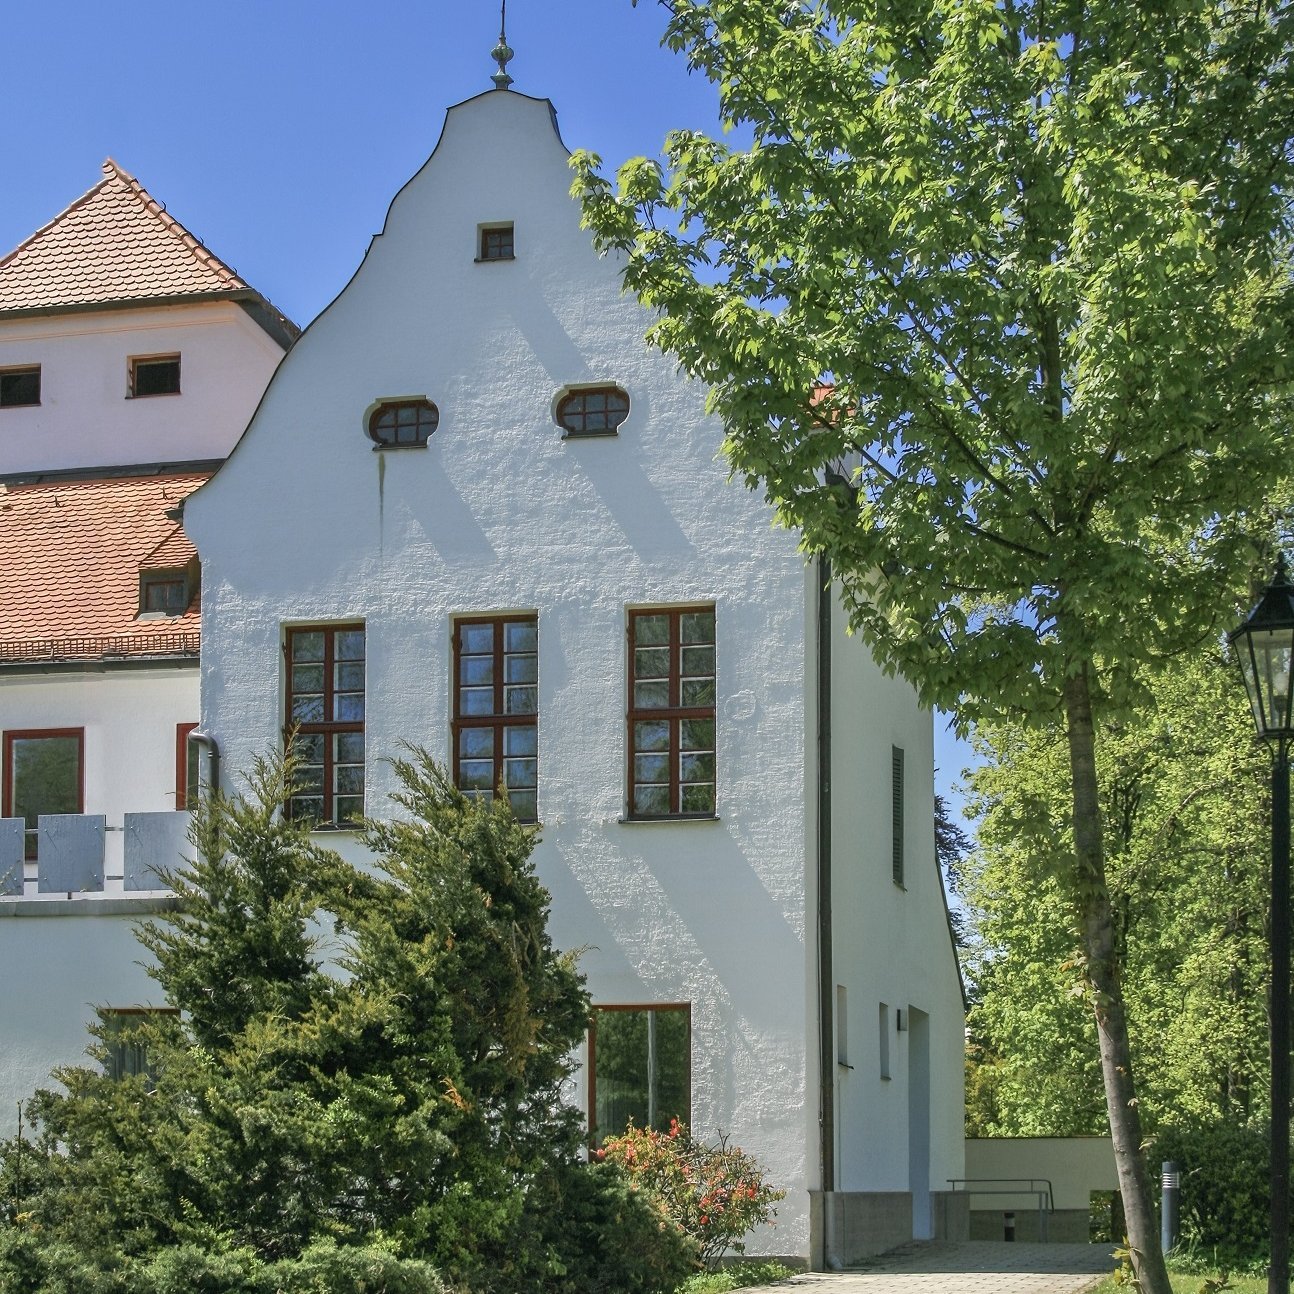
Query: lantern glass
point(1265, 661)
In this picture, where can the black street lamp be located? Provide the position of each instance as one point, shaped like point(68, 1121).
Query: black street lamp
point(1265, 647)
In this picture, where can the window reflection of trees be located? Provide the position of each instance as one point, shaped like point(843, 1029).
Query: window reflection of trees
point(44, 777)
point(641, 1067)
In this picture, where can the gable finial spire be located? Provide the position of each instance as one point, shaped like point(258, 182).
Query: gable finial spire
point(502, 52)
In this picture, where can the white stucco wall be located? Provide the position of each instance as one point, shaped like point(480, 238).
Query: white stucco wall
point(892, 943)
point(85, 419)
point(129, 717)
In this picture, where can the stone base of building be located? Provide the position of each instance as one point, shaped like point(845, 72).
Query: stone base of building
point(846, 1227)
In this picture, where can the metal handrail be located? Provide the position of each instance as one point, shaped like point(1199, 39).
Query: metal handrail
point(1012, 1186)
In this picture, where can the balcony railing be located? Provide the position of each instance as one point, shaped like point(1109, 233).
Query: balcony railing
point(81, 854)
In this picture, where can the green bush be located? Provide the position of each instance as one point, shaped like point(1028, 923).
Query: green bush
point(604, 1234)
point(311, 1128)
point(1224, 1200)
point(713, 1194)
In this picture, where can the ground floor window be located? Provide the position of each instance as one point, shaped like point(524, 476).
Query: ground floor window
point(125, 1040)
point(640, 1067)
point(43, 773)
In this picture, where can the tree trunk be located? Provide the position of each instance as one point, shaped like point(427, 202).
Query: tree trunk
point(1105, 980)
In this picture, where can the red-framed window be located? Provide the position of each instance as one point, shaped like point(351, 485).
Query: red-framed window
point(186, 767)
point(44, 772)
point(325, 721)
point(496, 708)
point(640, 1067)
point(672, 712)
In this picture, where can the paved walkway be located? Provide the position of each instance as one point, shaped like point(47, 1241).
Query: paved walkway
point(972, 1267)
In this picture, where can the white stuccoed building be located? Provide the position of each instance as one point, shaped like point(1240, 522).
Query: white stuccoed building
point(131, 358)
point(475, 512)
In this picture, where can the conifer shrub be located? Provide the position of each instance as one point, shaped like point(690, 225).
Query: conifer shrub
point(359, 1087)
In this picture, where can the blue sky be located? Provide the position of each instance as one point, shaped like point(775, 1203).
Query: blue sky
point(278, 131)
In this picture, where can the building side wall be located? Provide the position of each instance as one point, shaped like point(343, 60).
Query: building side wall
point(1074, 1167)
point(892, 945)
point(85, 417)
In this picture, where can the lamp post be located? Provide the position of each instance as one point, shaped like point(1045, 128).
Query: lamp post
point(1264, 645)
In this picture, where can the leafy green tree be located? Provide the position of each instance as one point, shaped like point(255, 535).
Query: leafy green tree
point(1184, 793)
point(996, 309)
point(360, 1087)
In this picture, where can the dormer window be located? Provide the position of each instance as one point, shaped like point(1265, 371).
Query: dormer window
point(154, 375)
point(495, 242)
point(19, 386)
point(403, 424)
point(167, 591)
point(592, 410)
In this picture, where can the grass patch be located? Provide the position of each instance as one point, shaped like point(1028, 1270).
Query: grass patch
point(1195, 1283)
point(735, 1277)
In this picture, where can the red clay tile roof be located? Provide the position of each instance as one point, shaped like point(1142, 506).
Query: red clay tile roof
point(71, 552)
point(115, 244)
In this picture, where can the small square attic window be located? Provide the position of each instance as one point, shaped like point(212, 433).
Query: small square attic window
point(155, 375)
point(167, 591)
point(19, 386)
point(495, 242)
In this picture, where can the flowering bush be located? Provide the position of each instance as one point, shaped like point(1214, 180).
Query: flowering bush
point(713, 1194)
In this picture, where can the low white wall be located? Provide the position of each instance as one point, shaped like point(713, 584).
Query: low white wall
point(1075, 1166)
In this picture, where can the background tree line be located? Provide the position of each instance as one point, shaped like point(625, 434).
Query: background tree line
point(1185, 798)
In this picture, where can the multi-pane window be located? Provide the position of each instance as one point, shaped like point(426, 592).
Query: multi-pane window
point(325, 714)
point(126, 1042)
point(496, 705)
point(164, 591)
point(640, 1068)
point(155, 375)
point(42, 774)
point(496, 243)
point(671, 712)
point(403, 424)
point(19, 387)
point(593, 411)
